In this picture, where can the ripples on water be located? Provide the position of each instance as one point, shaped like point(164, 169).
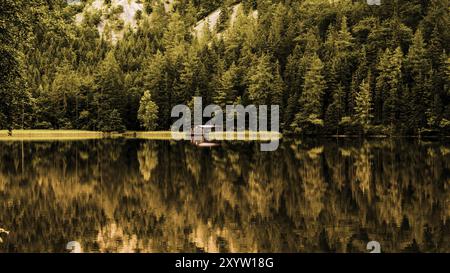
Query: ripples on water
point(144, 196)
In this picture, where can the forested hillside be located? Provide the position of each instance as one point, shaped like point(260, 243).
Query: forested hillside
point(334, 67)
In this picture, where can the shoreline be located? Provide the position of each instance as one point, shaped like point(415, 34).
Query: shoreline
point(50, 135)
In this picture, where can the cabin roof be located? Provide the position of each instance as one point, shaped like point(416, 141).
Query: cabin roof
point(205, 126)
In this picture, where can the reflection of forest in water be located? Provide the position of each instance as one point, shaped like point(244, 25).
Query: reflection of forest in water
point(125, 196)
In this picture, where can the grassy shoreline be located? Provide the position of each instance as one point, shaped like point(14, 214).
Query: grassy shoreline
point(54, 135)
point(49, 135)
point(43, 135)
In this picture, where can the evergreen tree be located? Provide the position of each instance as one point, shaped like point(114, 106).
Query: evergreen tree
point(294, 77)
point(65, 91)
point(311, 99)
point(278, 87)
point(344, 42)
point(359, 75)
point(112, 122)
point(227, 87)
point(110, 94)
point(363, 105)
point(435, 47)
point(260, 79)
point(419, 68)
point(188, 80)
point(265, 85)
point(156, 81)
point(276, 39)
point(389, 87)
point(13, 30)
point(335, 111)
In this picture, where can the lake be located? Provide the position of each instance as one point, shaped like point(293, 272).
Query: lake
point(318, 195)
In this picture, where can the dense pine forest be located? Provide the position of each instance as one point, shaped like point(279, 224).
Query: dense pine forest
point(334, 67)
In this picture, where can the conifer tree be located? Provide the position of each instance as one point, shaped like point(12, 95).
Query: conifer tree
point(389, 85)
point(278, 87)
point(227, 90)
point(419, 68)
point(335, 111)
point(363, 105)
point(13, 30)
point(110, 94)
point(294, 77)
point(260, 80)
point(311, 99)
point(344, 42)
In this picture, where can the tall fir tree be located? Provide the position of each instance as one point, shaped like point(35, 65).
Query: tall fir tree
point(363, 105)
point(311, 99)
point(335, 111)
point(227, 87)
point(110, 95)
point(260, 80)
point(419, 72)
point(389, 86)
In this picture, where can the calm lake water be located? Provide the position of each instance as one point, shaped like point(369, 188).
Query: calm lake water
point(155, 196)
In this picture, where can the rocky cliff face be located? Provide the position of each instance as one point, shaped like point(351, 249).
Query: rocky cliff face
point(113, 18)
point(213, 18)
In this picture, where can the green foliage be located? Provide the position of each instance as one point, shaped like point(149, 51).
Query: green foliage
point(111, 122)
point(148, 112)
point(335, 111)
point(109, 96)
point(389, 86)
point(260, 80)
point(363, 105)
point(310, 57)
point(13, 29)
point(227, 87)
point(311, 99)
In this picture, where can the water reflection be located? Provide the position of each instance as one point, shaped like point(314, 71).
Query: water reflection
point(144, 196)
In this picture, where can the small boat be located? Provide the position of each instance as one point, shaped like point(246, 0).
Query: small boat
point(206, 144)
